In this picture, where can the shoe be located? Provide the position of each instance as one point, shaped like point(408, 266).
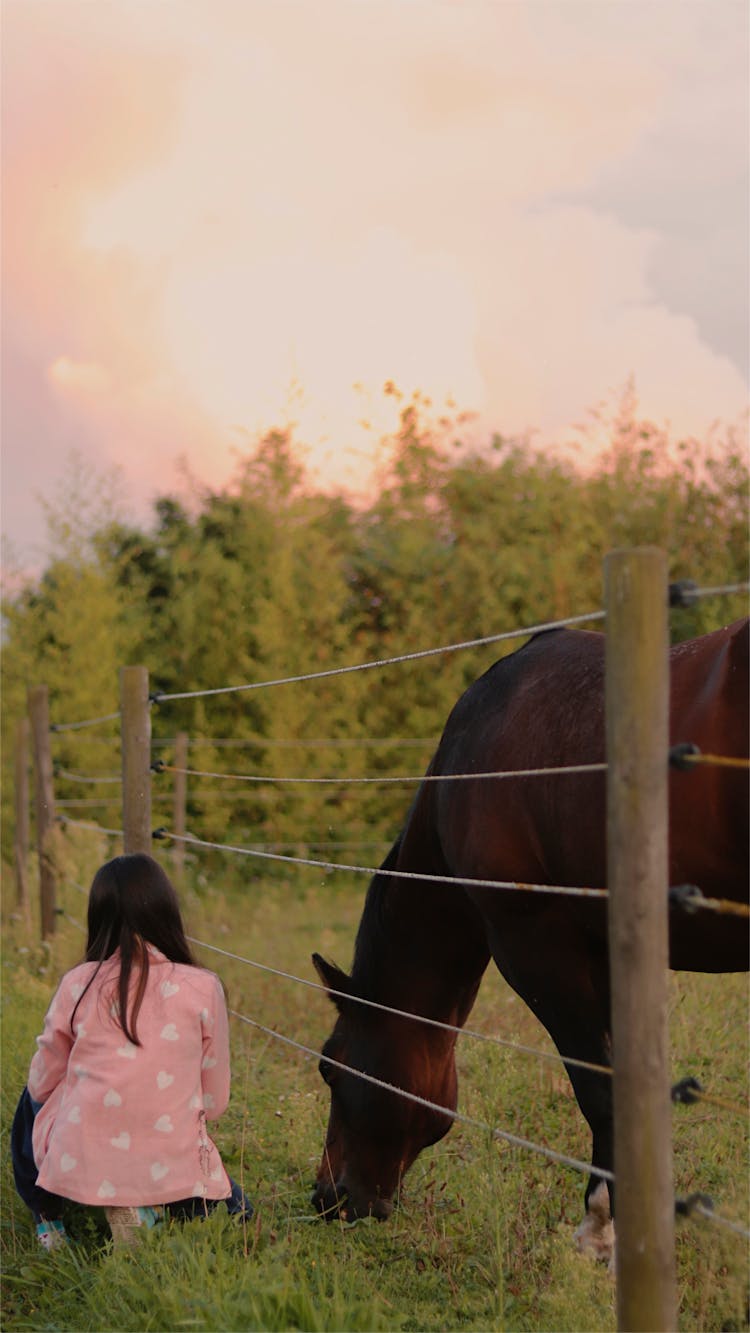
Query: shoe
point(126, 1224)
point(52, 1235)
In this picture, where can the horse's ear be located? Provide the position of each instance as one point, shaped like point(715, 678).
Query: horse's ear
point(333, 979)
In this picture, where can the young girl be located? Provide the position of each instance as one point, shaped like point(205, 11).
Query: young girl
point(132, 1062)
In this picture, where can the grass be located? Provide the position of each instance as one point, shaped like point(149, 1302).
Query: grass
point(483, 1236)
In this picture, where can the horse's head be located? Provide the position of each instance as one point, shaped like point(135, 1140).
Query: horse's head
point(374, 1135)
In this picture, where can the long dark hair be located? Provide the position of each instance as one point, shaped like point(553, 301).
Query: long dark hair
point(132, 903)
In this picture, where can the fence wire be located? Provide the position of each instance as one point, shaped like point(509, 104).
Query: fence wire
point(515, 1140)
point(552, 1056)
point(697, 1205)
point(560, 889)
point(386, 779)
point(160, 697)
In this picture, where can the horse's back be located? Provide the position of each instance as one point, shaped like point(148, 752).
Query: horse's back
point(543, 707)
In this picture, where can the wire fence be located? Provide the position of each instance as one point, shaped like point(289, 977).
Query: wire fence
point(695, 1205)
point(688, 897)
point(487, 639)
point(386, 779)
point(682, 593)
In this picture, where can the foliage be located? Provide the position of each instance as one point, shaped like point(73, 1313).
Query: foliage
point(269, 578)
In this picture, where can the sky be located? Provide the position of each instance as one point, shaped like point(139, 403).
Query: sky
point(221, 216)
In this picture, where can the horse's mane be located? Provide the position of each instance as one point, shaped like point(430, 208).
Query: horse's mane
point(374, 926)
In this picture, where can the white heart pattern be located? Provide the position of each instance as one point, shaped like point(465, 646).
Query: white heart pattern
point(67, 1162)
point(208, 1062)
point(169, 1033)
point(76, 991)
point(122, 1141)
point(74, 1115)
point(199, 1189)
point(80, 1030)
point(196, 1101)
point(168, 988)
point(106, 1190)
point(164, 1080)
point(127, 1052)
point(80, 1072)
point(158, 1170)
point(112, 1098)
point(164, 1124)
point(208, 1100)
point(217, 1173)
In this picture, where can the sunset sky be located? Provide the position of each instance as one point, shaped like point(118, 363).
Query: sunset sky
point(221, 216)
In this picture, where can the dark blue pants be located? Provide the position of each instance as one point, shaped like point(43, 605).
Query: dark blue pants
point(50, 1206)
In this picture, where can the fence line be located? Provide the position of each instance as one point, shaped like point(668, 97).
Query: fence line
point(560, 889)
point(94, 828)
point(698, 1205)
point(80, 802)
point(715, 761)
point(690, 902)
point(551, 1056)
point(383, 661)
point(289, 742)
point(682, 593)
point(577, 1165)
point(386, 780)
point(724, 589)
point(89, 722)
point(689, 760)
point(702, 1210)
point(67, 917)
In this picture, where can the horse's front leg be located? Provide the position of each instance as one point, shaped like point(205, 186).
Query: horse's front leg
point(565, 984)
point(596, 1234)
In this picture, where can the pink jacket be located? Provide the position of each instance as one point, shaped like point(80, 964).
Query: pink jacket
point(124, 1124)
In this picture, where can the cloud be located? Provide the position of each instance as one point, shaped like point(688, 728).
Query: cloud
point(85, 376)
point(201, 219)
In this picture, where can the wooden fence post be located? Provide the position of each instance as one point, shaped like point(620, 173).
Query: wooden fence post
point(637, 727)
point(180, 801)
point(38, 698)
point(21, 830)
point(135, 722)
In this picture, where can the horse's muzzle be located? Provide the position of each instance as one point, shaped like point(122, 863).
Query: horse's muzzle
point(334, 1202)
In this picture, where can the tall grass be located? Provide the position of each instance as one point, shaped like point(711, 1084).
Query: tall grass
point(482, 1238)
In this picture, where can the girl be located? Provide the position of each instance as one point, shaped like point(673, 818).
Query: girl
point(132, 1062)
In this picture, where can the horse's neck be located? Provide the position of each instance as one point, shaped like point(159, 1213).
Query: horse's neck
point(420, 947)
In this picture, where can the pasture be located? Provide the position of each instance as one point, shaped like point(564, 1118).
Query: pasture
point(482, 1238)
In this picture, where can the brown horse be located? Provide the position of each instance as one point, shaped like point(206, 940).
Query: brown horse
point(423, 945)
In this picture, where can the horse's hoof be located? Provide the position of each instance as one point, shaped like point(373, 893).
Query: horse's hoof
point(598, 1242)
point(596, 1234)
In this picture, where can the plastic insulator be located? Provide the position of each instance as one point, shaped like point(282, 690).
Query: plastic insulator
point(686, 896)
point(683, 593)
point(159, 833)
point(679, 755)
point(686, 1090)
point(158, 766)
point(686, 1207)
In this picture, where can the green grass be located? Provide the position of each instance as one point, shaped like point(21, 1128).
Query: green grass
point(483, 1236)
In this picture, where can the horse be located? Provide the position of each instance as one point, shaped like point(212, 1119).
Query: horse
point(423, 945)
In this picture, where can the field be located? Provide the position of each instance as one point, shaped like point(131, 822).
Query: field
point(483, 1235)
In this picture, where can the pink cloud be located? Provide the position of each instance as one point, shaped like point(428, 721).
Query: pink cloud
point(199, 216)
